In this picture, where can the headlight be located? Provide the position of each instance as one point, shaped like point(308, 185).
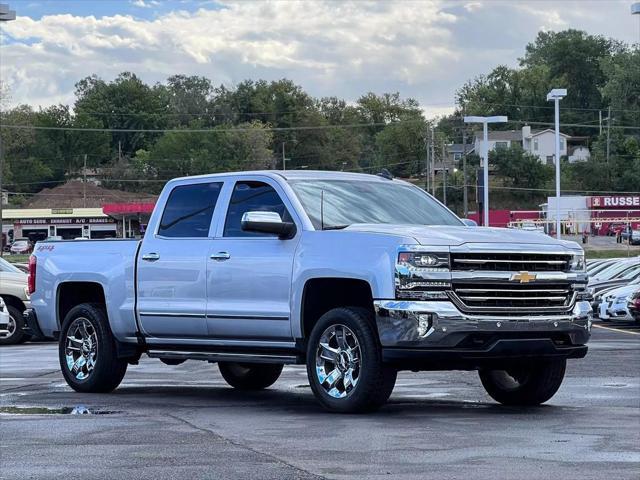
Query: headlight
point(422, 275)
point(577, 263)
point(435, 262)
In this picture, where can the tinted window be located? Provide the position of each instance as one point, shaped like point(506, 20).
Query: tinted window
point(189, 209)
point(252, 197)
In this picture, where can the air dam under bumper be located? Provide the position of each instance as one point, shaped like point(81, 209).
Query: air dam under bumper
point(424, 335)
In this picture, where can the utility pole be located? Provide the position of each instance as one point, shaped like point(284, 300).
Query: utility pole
point(433, 162)
point(6, 15)
point(444, 185)
point(444, 169)
point(284, 160)
point(600, 121)
point(119, 151)
point(84, 182)
point(465, 199)
point(608, 133)
point(426, 165)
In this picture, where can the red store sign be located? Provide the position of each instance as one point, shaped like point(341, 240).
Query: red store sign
point(614, 201)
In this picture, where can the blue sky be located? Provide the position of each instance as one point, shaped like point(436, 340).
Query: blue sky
point(422, 49)
point(144, 9)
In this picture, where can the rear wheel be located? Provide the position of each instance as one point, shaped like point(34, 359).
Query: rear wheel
point(13, 332)
point(87, 351)
point(524, 385)
point(250, 376)
point(344, 362)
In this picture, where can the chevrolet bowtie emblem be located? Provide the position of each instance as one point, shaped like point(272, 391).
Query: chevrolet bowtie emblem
point(523, 277)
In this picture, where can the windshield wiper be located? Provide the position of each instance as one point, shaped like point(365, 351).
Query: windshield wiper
point(334, 227)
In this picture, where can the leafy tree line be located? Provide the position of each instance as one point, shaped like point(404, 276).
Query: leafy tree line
point(217, 128)
point(602, 77)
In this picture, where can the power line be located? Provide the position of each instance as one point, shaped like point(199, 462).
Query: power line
point(208, 130)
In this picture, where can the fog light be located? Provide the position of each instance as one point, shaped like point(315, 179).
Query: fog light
point(424, 324)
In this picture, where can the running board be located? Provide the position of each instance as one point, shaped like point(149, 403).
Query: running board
point(223, 356)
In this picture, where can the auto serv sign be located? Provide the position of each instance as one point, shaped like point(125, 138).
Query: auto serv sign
point(614, 202)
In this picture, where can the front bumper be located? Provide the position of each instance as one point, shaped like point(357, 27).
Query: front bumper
point(436, 335)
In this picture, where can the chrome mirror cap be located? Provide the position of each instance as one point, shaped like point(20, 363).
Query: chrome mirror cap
point(267, 222)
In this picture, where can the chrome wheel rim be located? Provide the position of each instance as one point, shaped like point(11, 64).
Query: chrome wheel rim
point(11, 328)
point(338, 361)
point(81, 348)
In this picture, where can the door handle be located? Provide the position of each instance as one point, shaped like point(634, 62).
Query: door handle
point(220, 256)
point(151, 257)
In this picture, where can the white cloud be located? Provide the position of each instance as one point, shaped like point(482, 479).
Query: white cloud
point(422, 49)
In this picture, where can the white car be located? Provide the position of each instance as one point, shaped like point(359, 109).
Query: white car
point(13, 291)
point(614, 304)
point(6, 323)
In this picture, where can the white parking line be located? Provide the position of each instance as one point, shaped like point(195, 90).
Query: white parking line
point(616, 330)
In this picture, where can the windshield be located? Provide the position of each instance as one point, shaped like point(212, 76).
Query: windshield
point(345, 202)
point(7, 267)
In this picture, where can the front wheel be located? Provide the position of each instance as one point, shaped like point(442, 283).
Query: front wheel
point(87, 351)
point(250, 376)
point(344, 362)
point(526, 384)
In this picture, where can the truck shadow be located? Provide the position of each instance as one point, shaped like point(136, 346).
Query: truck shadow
point(302, 401)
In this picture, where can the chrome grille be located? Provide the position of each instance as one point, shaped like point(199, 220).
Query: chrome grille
point(509, 297)
point(510, 262)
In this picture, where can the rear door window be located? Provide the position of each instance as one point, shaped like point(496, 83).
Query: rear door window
point(189, 210)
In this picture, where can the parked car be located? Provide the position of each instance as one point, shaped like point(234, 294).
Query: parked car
point(21, 246)
point(356, 276)
point(634, 305)
point(13, 291)
point(6, 324)
point(615, 303)
point(635, 237)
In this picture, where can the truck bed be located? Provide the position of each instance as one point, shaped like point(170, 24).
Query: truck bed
point(109, 262)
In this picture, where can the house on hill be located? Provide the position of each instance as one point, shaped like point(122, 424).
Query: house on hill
point(539, 143)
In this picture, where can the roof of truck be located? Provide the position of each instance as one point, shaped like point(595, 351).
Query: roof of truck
point(299, 175)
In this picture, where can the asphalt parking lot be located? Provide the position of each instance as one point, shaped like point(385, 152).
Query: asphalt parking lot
point(183, 422)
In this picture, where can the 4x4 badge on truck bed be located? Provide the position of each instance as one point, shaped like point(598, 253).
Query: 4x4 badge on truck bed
point(523, 277)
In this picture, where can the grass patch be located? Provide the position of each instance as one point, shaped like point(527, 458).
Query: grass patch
point(592, 254)
point(16, 258)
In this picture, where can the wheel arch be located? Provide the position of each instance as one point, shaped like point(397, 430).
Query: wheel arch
point(326, 293)
point(72, 293)
point(12, 300)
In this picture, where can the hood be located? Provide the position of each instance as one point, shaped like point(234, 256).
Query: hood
point(445, 235)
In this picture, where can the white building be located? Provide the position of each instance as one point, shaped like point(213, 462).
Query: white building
point(540, 143)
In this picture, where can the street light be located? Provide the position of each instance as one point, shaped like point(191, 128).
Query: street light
point(485, 156)
point(6, 15)
point(556, 95)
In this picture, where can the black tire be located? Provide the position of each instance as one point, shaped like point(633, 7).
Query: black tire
point(17, 335)
point(524, 385)
point(375, 381)
point(108, 370)
point(250, 376)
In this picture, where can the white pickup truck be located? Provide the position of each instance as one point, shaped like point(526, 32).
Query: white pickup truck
point(356, 276)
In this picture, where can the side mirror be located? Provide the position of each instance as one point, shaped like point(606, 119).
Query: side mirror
point(267, 222)
point(469, 223)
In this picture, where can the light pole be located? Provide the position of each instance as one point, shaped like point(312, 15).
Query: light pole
point(635, 10)
point(6, 15)
point(485, 121)
point(556, 95)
